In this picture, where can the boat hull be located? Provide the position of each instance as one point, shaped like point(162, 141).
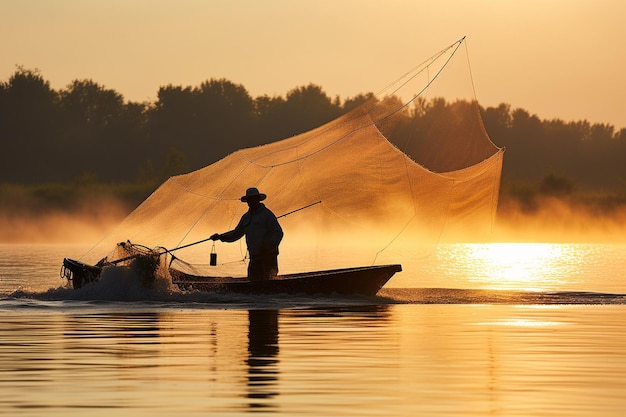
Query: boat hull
point(367, 280)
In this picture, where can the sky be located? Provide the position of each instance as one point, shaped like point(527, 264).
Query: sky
point(555, 58)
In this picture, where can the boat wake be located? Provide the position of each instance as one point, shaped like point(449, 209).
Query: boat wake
point(471, 296)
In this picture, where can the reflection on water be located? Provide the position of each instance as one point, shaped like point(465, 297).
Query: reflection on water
point(141, 361)
point(262, 357)
point(393, 360)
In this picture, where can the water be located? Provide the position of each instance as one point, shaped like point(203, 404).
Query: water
point(503, 330)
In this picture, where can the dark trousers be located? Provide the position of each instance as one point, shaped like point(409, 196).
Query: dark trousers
point(263, 268)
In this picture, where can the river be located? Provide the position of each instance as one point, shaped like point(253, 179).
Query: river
point(474, 329)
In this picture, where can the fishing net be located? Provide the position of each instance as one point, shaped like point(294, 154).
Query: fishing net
point(344, 194)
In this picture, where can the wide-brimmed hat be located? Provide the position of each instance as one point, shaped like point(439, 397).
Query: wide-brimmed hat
point(252, 192)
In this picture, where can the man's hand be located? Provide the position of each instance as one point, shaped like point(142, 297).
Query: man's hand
point(215, 236)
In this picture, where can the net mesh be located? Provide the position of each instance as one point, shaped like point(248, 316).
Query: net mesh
point(344, 194)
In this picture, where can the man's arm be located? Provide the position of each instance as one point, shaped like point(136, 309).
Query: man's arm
point(232, 235)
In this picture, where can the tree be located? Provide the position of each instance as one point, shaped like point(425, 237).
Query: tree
point(28, 126)
point(101, 130)
point(226, 119)
point(306, 108)
point(91, 107)
point(175, 164)
point(205, 122)
point(354, 102)
point(269, 112)
point(498, 120)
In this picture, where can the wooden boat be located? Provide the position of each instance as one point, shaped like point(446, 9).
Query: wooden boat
point(364, 280)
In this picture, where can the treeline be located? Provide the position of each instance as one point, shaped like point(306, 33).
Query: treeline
point(87, 130)
point(590, 156)
point(86, 133)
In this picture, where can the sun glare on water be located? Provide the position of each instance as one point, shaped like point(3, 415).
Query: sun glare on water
point(519, 266)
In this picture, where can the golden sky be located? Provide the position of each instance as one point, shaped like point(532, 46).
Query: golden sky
point(555, 58)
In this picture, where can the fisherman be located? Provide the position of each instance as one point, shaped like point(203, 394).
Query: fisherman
point(263, 235)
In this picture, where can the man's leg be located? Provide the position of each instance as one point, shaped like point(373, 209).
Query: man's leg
point(262, 268)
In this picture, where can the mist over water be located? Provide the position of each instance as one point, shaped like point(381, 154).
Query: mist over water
point(85, 224)
point(557, 221)
point(552, 220)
